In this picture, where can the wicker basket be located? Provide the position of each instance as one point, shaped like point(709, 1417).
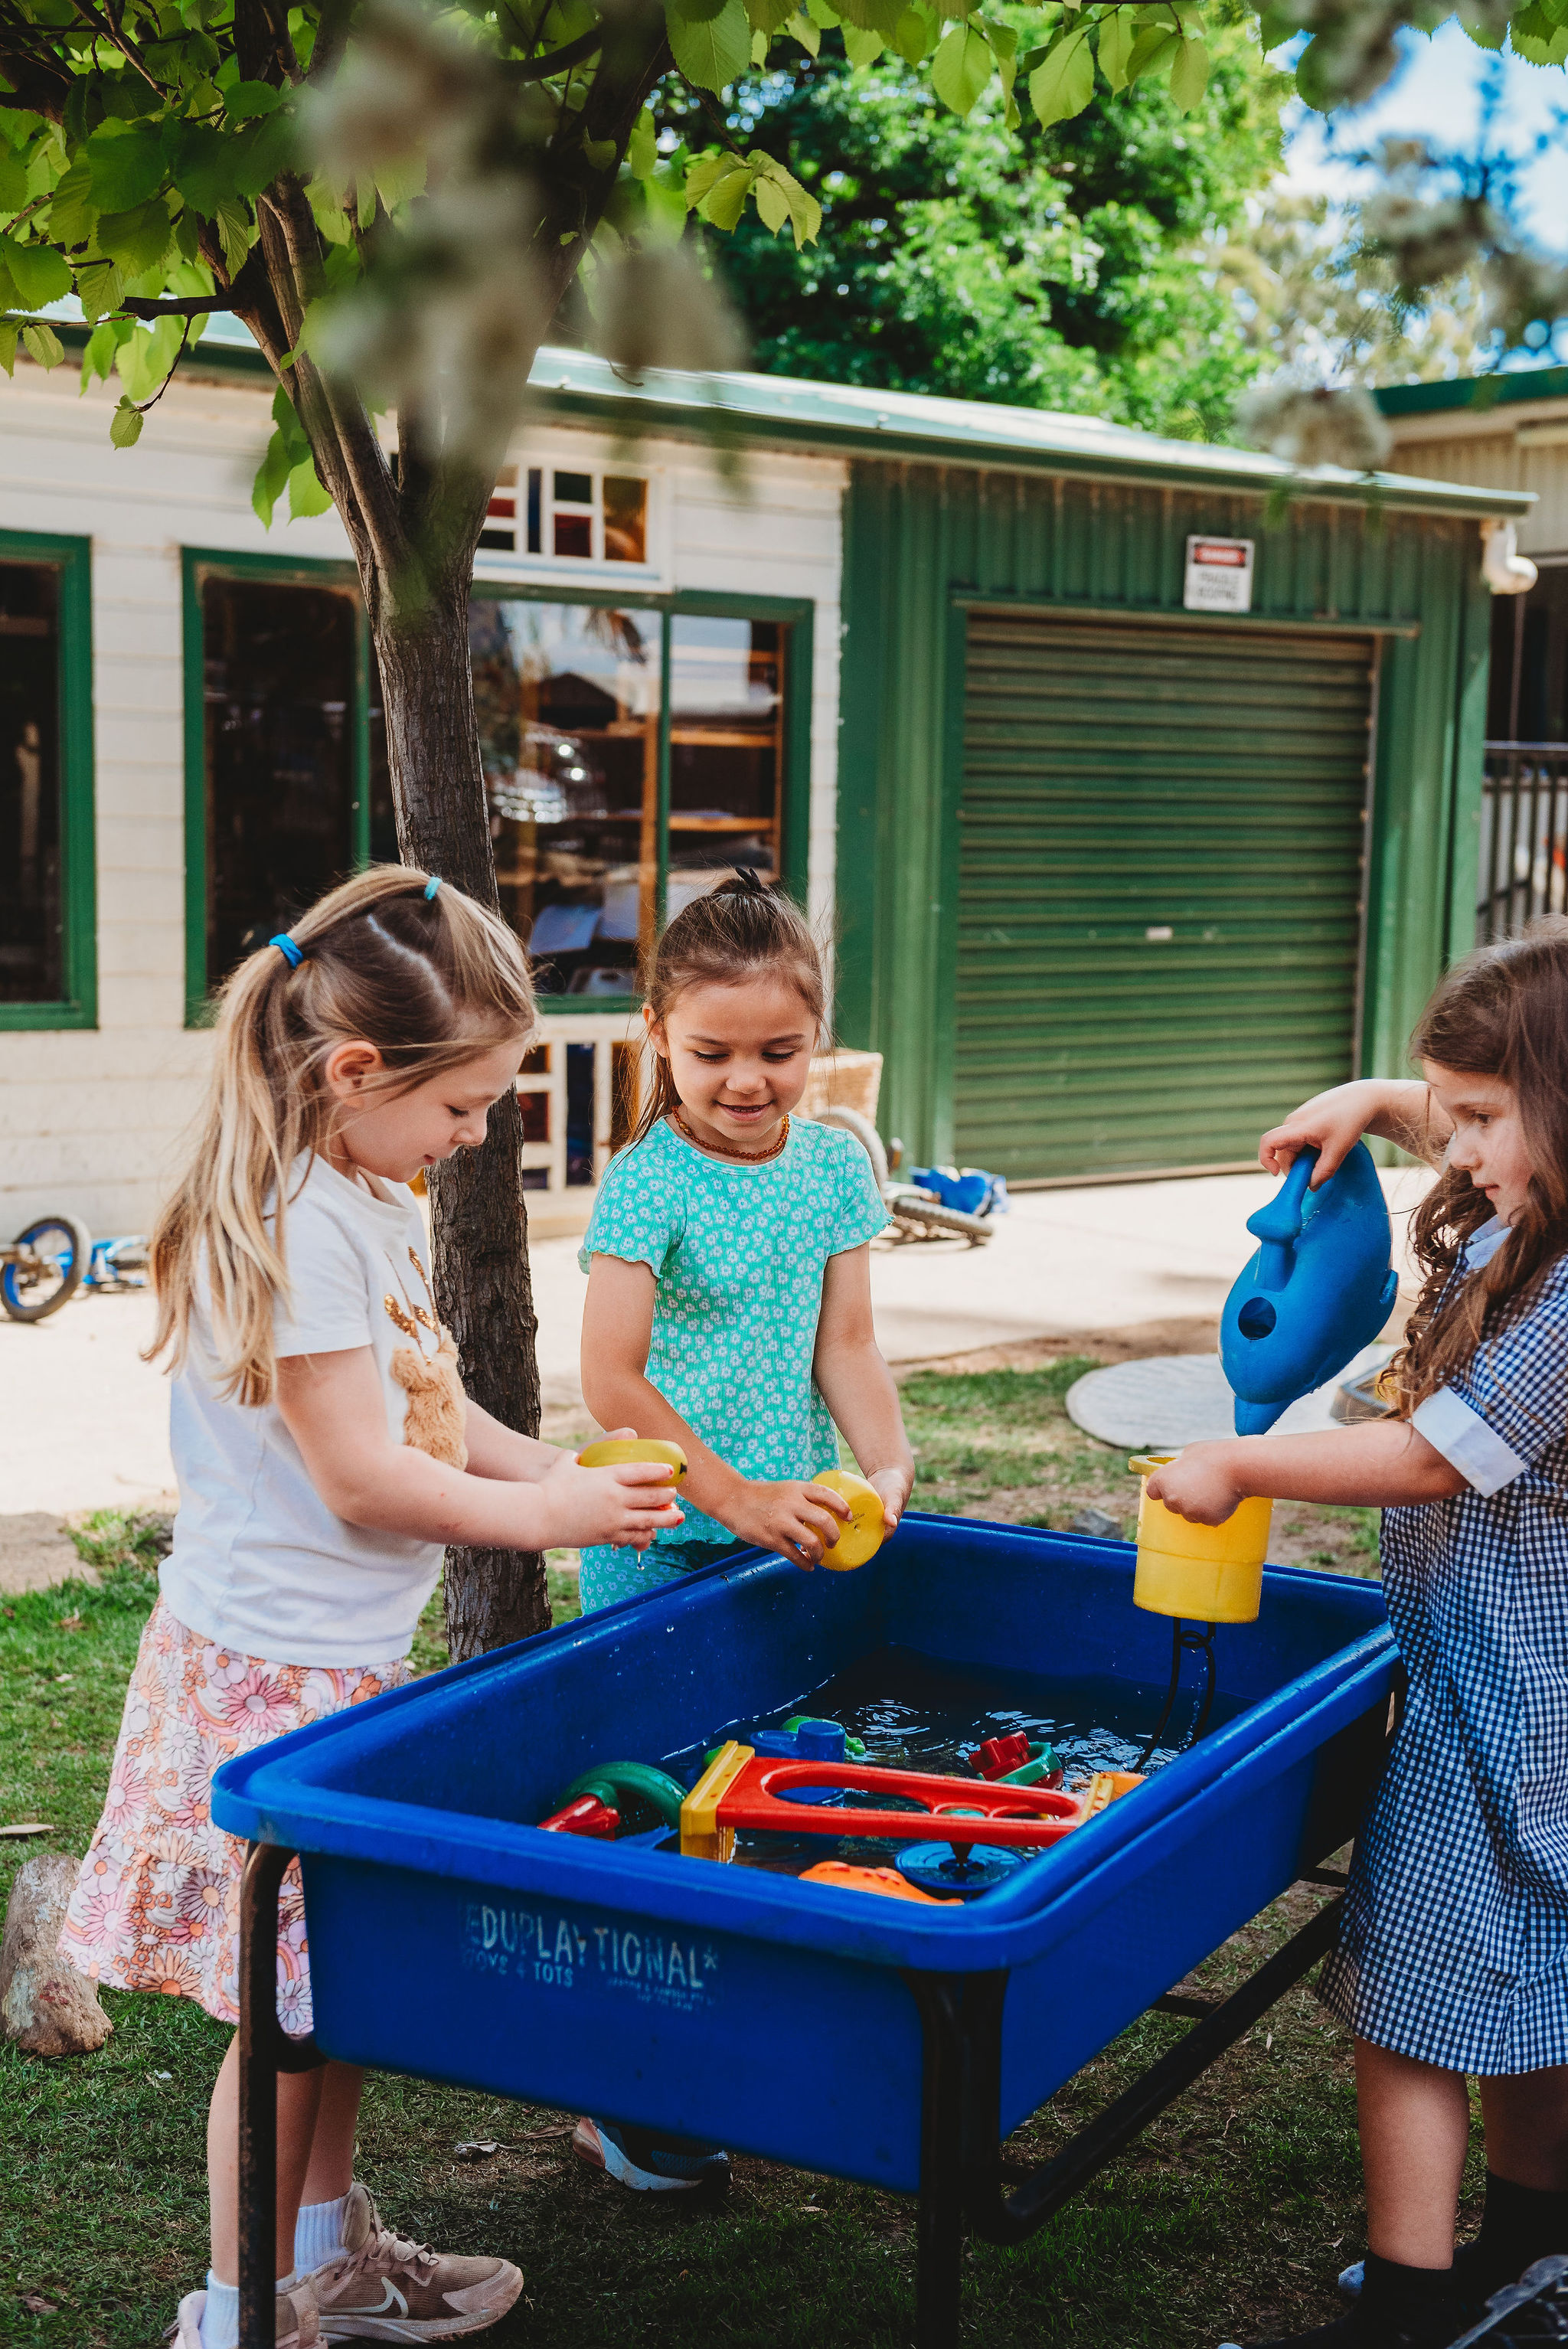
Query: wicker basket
point(843, 1081)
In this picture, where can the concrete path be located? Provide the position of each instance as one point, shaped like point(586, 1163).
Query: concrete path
point(85, 1420)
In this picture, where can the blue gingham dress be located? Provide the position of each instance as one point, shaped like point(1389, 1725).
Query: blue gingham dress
point(1454, 1946)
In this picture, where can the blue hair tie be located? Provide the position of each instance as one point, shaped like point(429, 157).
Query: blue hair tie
point(292, 955)
point(431, 887)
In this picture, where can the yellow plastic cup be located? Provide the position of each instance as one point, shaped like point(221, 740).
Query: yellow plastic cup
point(615, 1451)
point(861, 1538)
point(1210, 1574)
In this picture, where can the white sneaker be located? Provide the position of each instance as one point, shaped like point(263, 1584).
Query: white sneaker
point(382, 2287)
point(296, 2319)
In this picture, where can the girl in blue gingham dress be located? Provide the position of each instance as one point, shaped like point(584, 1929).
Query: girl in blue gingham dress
point(1452, 1957)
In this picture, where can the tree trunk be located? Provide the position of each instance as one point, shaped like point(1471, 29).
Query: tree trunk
point(483, 1290)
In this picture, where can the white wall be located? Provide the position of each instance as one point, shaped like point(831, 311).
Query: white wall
point(1512, 448)
point(91, 1120)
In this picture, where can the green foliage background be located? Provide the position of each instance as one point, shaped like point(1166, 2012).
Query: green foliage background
point(1071, 267)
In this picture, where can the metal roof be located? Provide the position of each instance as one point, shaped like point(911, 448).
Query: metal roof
point(848, 421)
point(1476, 393)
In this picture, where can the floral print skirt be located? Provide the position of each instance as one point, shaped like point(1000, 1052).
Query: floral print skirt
point(157, 1903)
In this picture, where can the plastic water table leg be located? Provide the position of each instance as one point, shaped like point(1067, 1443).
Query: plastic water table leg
point(265, 2049)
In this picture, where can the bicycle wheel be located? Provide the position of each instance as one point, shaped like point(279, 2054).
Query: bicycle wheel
point(850, 1120)
point(59, 1249)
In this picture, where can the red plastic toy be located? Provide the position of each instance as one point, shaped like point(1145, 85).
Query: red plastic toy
point(743, 1789)
point(586, 1817)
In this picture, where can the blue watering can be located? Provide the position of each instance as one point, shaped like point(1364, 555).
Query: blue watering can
point(1319, 1288)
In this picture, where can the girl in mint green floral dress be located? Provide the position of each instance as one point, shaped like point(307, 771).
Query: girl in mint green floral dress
point(729, 1303)
point(729, 1287)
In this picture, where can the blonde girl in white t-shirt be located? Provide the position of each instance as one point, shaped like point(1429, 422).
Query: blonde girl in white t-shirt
point(325, 1454)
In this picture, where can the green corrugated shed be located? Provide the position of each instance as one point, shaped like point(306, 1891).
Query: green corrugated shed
point(1054, 994)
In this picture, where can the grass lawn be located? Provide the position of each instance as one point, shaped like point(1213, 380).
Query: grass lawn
point(1230, 2215)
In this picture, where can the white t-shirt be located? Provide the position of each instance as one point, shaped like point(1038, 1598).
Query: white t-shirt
point(259, 1563)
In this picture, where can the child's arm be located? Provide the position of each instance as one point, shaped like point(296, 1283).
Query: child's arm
point(1394, 1109)
point(332, 1406)
point(617, 1328)
point(857, 1386)
point(501, 1452)
point(1382, 1464)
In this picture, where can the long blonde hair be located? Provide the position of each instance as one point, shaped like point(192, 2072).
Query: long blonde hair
point(741, 930)
point(430, 981)
point(1502, 1012)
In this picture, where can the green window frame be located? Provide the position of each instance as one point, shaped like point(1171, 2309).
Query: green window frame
point(198, 565)
point(72, 559)
point(797, 613)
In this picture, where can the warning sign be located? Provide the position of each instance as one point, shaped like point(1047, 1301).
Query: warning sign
point(1219, 575)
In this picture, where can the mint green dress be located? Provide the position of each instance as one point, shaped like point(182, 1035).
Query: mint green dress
point(738, 1254)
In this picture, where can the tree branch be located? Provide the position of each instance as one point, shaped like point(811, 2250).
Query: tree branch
point(110, 33)
point(190, 306)
point(554, 61)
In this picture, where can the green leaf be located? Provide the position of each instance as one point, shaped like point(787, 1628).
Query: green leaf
point(1317, 88)
point(13, 178)
point(128, 165)
point(103, 350)
point(599, 153)
point(236, 234)
point(910, 36)
point(248, 100)
point(1542, 53)
point(1116, 39)
point(307, 495)
point(726, 200)
point(100, 289)
point(697, 12)
point(43, 343)
point(780, 198)
point(1190, 76)
point(296, 448)
point(1275, 27)
point(71, 208)
point(768, 16)
point(272, 479)
point(204, 163)
point(870, 15)
point(863, 49)
point(643, 146)
point(715, 53)
point(125, 425)
point(964, 65)
point(7, 346)
point(39, 273)
point(1064, 84)
point(1154, 48)
point(810, 36)
point(1004, 43)
point(269, 148)
point(146, 355)
point(137, 240)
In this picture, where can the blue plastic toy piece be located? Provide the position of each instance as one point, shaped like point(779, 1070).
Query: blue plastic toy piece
point(937, 1869)
point(805, 1740)
point(1319, 1288)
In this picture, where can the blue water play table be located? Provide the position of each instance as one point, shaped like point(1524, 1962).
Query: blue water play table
point(882, 2041)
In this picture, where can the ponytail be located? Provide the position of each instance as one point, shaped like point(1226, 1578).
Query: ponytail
point(417, 969)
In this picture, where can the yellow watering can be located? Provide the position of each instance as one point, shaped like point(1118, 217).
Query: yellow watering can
point(1210, 1574)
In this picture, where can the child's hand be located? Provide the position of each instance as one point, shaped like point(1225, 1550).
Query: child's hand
point(1201, 1484)
point(894, 1484)
point(792, 1520)
point(626, 1505)
point(1332, 1123)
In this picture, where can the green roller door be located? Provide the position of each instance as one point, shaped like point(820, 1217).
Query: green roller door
point(1161, 874)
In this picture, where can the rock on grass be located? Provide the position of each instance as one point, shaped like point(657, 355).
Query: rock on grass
point(45, 2006)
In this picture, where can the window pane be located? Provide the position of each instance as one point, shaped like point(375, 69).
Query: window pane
point(625, 520)
point(574, 488)
point(32, 965)
point(568, 703)
point(279, 695)
point(574, 534)
point(727, 718)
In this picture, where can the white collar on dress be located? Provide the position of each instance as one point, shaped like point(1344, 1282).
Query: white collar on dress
point(1484, 1244)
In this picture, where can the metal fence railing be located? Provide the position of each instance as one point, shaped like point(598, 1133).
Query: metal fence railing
point(1524, 868)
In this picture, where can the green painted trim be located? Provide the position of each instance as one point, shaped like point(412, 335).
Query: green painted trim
point(857, 881)
point(72, 558)
point(1469, 764)
point(947, 850)
point(795, 783)
point(662, 811)
point(1477, 393)
point(198, 565)
point(1162, 614)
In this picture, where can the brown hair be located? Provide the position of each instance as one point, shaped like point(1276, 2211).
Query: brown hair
point(432, 981)
point(1502, 1012)
point(743, 929)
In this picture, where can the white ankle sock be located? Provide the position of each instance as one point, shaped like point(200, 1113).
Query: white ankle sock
point(220, 2317)
point(318, 2233)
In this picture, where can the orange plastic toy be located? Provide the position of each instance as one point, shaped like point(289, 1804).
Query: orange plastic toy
point(885, 1880)
point(742, 1788)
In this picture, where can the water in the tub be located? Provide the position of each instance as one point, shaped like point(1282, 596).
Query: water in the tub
point(912, 1713)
